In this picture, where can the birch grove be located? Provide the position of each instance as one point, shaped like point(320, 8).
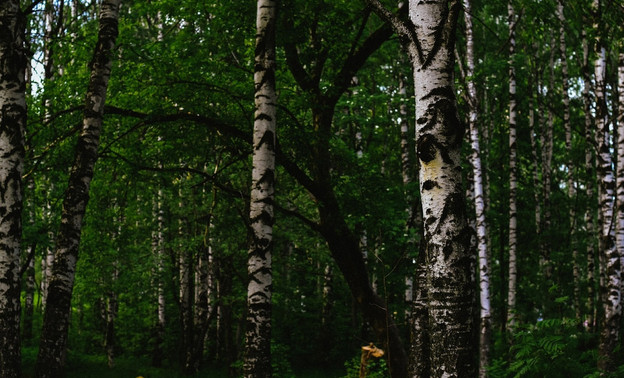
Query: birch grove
point(445, 188)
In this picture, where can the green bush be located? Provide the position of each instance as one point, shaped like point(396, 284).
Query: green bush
point(550, 348)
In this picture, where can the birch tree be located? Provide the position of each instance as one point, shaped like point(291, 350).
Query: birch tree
point(12, 123)
point(610, 290)
point(481, 227)
point(257, 361)
point(429, 38)
point(52, 347)
point(513, 182)
point(620, 161)
point(589, 183)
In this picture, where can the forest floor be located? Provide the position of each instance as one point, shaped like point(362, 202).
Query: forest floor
point(86, 366)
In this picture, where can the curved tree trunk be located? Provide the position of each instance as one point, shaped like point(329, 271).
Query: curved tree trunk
point(53, 342)
point(257, 361)
point(13, 65)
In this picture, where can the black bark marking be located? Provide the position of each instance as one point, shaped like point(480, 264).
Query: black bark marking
point(268, 138)
point(430, 184)
point(426, 148)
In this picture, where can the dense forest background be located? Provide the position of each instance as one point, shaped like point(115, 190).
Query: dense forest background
point(162, 267)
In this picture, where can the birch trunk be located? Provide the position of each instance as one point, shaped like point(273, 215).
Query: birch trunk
point(547, 155)
point(158, 248)
point(620, 164)
point(53, 342)
point(536, 166)
point(481, 226)
point(257, 361)
point(185, 266)
point(204, 288)
point(439, 134)
point(608, 248)
point(513, 269)
point(589, 183)
point(13, 63)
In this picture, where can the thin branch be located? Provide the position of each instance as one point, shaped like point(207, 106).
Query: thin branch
point(212, 178)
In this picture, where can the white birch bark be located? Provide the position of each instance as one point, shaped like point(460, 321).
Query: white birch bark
point(620, 164)
point(447, 234)
point(158, 248)
point(13, 65)
point(608, 248)
point(257, 361)
point(52, 348)
point(513, 268)
point(589, 183)
point(481, 225)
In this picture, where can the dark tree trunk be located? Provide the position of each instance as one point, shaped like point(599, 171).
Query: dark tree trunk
point(52, 348)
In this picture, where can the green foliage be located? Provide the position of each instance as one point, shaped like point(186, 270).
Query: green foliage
point(552, 348)
point(376, 368)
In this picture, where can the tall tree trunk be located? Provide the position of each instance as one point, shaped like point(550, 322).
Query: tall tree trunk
point(610, 291)
point(620, 164)
point(513, 184)
point(430, 40)
point(257, 361)
point(447, 234)
point(53, 342)
point(158, 248)
point(481, 226)
point(547, 156)
point(204, 288)
point(13, 65)
point(589, 184)
point(534, 132)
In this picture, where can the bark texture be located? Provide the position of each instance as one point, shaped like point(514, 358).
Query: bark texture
point(51, 358)
point(13, 63)
point(257, 361)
